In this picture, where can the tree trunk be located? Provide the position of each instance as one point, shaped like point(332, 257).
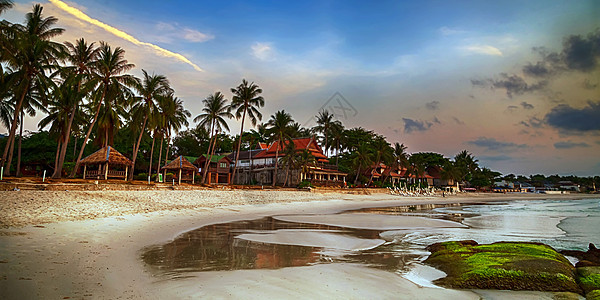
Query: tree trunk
point(137, 147)
point(162, 138)
point(13, 130)
point(337, 154)
point(276, 162)
point(18, 172)
point(151, 155)
point(237, 155)
point(357, 175)
point(56, 157)
point(87, 135)
point(168, 148)
point(207, 161)
point(287, 173)
point(63, 151)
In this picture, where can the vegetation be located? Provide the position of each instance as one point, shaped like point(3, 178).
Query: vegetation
point(503, 265)
point(90, 101)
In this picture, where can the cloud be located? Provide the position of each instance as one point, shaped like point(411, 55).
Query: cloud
point(450, 31)
point(579, 53)
point(533, 122)
point(582, 53)
point(482, 49)
point(540, 69)
point(121, 34)
point(565, 117)
point(512, 108)
point(589, 85)
point(458, 121)
point(262, 51)
point(411, 125)
point(526, 105)
point(513, 84)
point(433, 105)
point(172, 32)
point(491, 144)
point(570, 145)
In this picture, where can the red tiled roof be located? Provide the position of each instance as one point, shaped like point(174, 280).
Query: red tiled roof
point(263, 146)
point(301, 144)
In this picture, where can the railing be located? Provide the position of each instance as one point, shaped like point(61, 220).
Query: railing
point(327, 183)
point(97, 173)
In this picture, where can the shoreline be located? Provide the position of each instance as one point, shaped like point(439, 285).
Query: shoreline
point(98, 256)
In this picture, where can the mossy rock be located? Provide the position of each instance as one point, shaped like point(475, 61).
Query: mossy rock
point(502, 265)
point(588, 278)
point(593, 295)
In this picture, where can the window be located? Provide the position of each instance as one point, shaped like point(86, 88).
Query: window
point(223, 165)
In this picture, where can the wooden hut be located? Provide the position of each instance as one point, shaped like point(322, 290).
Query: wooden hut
point(219, 170)
point(181, 164)
point(110, 164)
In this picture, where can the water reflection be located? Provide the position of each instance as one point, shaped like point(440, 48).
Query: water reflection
point(217, 248)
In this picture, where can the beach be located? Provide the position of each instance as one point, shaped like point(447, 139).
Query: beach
point(87, 244)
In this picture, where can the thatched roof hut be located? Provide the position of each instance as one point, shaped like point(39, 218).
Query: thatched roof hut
point(181, 164)
point(106, 157)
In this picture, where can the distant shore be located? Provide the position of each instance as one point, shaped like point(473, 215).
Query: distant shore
point(86, 244)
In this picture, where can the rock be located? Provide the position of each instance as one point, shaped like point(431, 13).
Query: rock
point(586, 259)
point(502, 265)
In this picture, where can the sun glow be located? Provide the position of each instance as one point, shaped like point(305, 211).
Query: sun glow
point(121, 34)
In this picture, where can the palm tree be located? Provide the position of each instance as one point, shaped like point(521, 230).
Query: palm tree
point(289, 160)
point(383, 152)
point(362, 159)
point(30, 53)
point(305, 158)
point(150, 88)
point(4, 5)
point(62, 110)
point(246, 100)
point(466, 164)
point(213, 119)
point(324, 121)
point(106, 75)
point(81, 57)
point(279, 127)
point(337, 137)
point(174, 117)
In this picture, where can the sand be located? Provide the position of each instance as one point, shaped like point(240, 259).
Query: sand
point(87, 245)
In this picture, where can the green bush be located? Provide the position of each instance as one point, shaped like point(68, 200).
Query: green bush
point(304, 184)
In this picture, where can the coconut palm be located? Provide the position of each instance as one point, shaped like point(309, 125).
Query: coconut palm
point(362, 158)
point(81, 57)
point(108, 78)
point(4, 5)
point(466, 164)
point(28, 51)
point(337, 137)
point(324, 121)
point(279, 127)
point(305, 158)
point(174, 117)
point(289, 160)
point(246, 100)
point(213, 117)
point(149, 88)
point(383, 152)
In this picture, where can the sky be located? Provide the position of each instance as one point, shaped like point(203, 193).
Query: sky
point(516, 83)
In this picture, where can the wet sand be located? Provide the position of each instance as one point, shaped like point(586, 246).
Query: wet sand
point(80, 245)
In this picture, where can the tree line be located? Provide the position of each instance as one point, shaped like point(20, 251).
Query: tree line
point(90, 101)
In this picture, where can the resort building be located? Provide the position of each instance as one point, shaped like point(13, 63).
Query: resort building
point(219, 169)
point(258, 165)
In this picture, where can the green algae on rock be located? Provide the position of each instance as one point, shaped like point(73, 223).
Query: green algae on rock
point(502, 265)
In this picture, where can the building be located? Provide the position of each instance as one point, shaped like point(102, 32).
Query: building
point(219, 169)
point(258, 166)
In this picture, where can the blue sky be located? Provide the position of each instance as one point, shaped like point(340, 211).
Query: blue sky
point(438, 76)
